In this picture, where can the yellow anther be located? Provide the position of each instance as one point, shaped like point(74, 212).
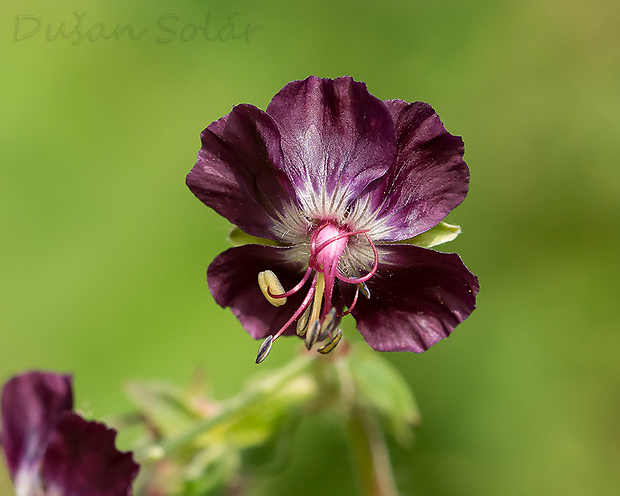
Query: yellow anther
point(332, 343)
point(302, 322)
point(269, 283)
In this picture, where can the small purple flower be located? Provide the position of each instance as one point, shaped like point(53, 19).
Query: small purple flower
point(52, 451)
point(336, 182)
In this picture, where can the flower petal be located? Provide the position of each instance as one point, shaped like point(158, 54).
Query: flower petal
point(233, 281)
point(238, 172)
point(418, 297)
point(428, 179)
point(81, 459)
point(337, 138)
point(32, 405)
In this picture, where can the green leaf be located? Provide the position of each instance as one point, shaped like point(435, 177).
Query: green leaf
point(237, 237)
point(381, 388)
point(441, 233)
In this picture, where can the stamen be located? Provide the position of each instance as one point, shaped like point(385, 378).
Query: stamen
point(272, 288)
point(313, 334)
point(364, 289)
point(318, 297)
point(329, 347)
point(302, 322)
point(352, 305)
point(264, 349)
point(296, 288)
point(299, 311)
point(329, 322)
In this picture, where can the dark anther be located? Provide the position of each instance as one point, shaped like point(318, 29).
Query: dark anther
point(313, 334)
point(264, 349)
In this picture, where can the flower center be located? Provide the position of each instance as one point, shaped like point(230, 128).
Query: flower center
point(317, 318)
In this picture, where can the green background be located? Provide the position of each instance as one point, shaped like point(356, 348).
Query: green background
point(103, 250)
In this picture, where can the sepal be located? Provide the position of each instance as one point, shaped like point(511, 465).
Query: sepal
point(237, 237)
point(441, 233)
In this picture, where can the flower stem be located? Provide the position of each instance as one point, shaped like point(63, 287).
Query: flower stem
point(370, 454)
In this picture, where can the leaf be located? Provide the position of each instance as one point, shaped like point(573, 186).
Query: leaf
point(381, 388)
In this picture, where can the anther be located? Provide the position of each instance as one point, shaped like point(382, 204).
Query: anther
point(329, 346)
point(364, 289)
point(329, 322)
point(313, 334)
point(271, 287)
point(302, 322)
point(264, 349)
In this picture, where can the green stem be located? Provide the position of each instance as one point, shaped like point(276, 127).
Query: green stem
point(370, 454)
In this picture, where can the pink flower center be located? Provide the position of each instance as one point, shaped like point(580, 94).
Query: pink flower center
point(328, 242)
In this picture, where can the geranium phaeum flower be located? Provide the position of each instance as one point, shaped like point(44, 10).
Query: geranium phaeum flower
point(336, 182)
point(52, 451)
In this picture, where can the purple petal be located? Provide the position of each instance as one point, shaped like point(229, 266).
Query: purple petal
point(81, 460)
point(32, 405)
point(418, 297)
point(238, 172)
point(428, 179)
point(233, 281)
point(336, 137)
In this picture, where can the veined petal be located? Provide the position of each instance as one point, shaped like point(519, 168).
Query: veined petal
point(239, 171)
point(336, 137)
point(32, 405)
point(427, 180)
point(233, 281)
point(418, 297)
point(81, 459)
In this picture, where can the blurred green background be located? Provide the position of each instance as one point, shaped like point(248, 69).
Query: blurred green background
point(103, 250)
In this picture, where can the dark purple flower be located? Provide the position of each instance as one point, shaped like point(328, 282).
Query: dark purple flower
point(52, 451)
point(336, 182)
